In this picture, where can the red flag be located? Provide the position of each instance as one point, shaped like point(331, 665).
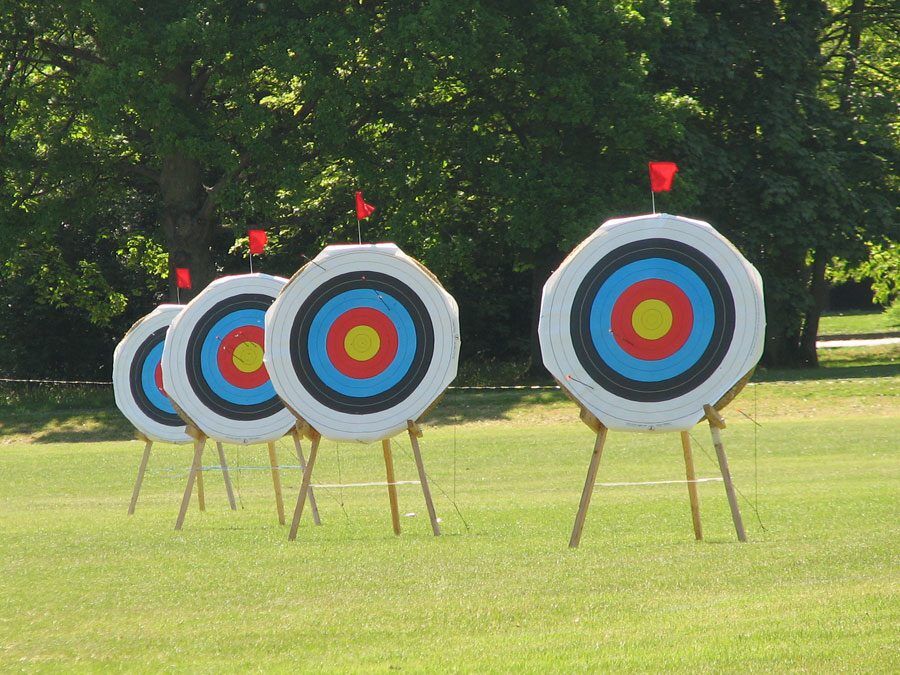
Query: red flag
point(182, 277)
point(258, 241)
point(662, 174)
point(363, 210)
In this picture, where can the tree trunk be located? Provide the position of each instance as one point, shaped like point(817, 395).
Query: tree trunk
point(818, 289)
point(188, 234)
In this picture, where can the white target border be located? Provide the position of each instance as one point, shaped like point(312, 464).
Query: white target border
point(680, 413)
point(123, 357)
point(174, 367)
point(333, 261)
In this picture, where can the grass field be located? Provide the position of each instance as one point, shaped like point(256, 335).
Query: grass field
point(85, 587)
point(855, 322)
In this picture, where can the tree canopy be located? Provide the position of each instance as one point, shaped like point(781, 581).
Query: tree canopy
point(492, 137)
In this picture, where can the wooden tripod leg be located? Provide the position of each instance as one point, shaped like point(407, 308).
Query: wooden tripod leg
point(226, 476)
point(414, 434)
point(588, 491)
point(312, 497)
point(391, 481)
point(304, 487)
point(691, 484)
point(276, 481)
point(196, 470)
point(140, 477)
point(715, 423)
point(201, 493)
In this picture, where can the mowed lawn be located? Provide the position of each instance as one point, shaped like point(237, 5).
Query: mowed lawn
point(85, 587)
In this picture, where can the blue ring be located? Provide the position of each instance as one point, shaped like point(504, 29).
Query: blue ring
point(619, 281)
point(354, 299)
point(209, 365)
point(148, 381)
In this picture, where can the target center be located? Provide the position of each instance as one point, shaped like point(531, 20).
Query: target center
point(247, 357)
point(652, 319)
point(362, 343)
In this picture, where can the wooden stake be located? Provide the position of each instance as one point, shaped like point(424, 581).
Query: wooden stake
point(392, 488)
point(295, 434)
point(201, 493)
point(304, 485)
point(226, 476)
point(715, 424)
point(276, 481)
point(414, 435)
point(196, 470)
point(588, 487)
point(140, 476)
point(692, 485)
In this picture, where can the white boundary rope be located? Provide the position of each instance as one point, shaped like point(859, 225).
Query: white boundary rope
point(661, 482)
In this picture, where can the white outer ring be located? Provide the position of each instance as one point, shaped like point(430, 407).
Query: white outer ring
point(342, 259)
point(175, 357)
point(123, 357)
point(682, 412)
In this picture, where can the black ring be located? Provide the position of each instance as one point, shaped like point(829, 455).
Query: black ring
point(137, 390)
point(299, 343)
point(723, 330)
point(207, 396)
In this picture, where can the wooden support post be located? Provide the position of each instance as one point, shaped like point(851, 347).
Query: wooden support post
point(588, 490)
point(414, 435)
point(276, 481)
point(201, 493)
point(225, 475)
point(140, 476)
point(196, 470)
point(295, 434)
point(391, 484)
point(304, 485)
point(715, 424)
point(692, 484)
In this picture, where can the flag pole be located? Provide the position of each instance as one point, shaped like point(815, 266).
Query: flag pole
point(359, 230)
point(653, 200)
point(251, 262)
point(177, 293)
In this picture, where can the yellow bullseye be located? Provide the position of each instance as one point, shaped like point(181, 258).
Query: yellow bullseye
point(247, 357)
point(651, 319)
point(362, 343)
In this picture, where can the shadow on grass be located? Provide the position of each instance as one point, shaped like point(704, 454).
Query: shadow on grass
point(69, 426)
point(52, 421)
point(827, 373)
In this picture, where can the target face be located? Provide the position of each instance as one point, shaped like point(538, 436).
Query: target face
point(213, 362)
point(137, 378)
point(361, 340)
point(651, 318)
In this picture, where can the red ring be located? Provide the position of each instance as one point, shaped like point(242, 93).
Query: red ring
point(361, 316)
point(157, 378)
point(225, 358)
point(668, 344)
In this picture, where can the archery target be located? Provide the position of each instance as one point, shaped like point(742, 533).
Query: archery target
point(137, 378)
point(651, 318)
point(213, 362)
point(361, 340)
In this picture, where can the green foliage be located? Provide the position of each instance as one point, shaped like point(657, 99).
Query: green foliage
point(881, 268)
point(492, 137)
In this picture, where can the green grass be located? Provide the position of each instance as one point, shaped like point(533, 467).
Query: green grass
point(855, 322)
point(85, 587)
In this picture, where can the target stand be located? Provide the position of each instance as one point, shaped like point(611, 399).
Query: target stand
point(197, 469)
point(653, 324)
point(716, 423)
point(139, 393)
point(213, 372)
point(360, 344)
point(415, 433)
